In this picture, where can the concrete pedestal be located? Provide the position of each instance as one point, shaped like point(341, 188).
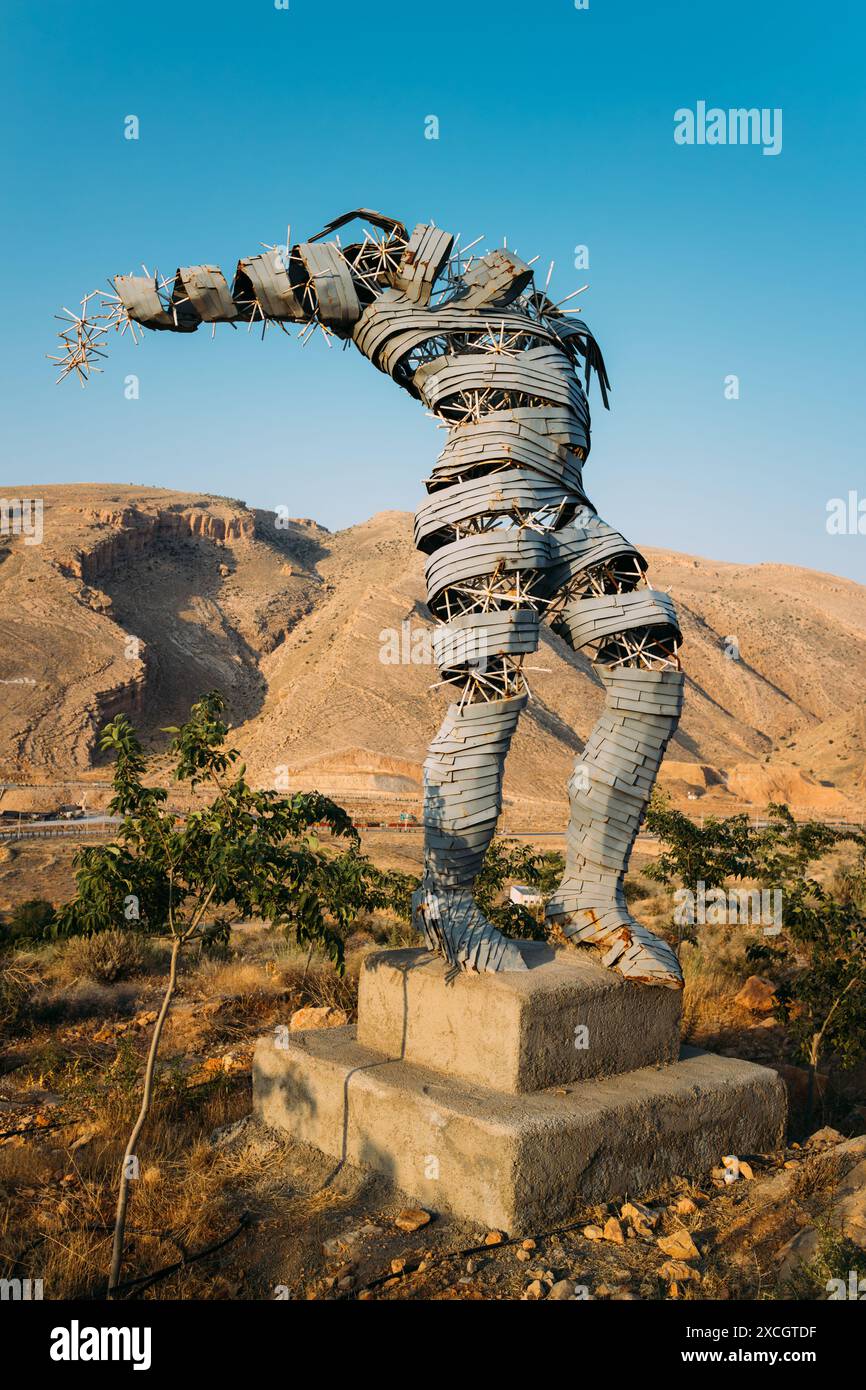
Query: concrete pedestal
point(564, 1019)
point(515, 1125)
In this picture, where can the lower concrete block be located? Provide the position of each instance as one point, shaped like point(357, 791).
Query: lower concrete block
point(514, 1162)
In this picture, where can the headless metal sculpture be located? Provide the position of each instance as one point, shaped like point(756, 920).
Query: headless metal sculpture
point(509, 536)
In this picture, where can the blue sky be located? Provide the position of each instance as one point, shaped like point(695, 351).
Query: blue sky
point(556, 128)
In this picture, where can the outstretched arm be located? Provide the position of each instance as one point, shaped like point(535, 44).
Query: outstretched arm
point(322, 284)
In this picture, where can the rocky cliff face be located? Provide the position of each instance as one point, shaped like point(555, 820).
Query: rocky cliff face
point(131, 533)
point(136, 601)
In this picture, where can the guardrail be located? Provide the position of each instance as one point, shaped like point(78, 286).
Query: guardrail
point(103, 827)
point(59, 830)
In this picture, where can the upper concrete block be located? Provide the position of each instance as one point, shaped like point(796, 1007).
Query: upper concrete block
point(563, 1019)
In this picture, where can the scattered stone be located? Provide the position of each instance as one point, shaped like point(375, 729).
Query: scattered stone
point(790, 1163)
point(535, 1290)
point(347, 1241)
point(527, 1245)
point(613, 1231)
point(679, 1271)
point(643, 1219)
point(563, 1288)
point(757, 994)
point(412, 1219)
point(84, 1136)
point(684, 1206)
point(679, 1246)
point(633, 1211)
point(593, 1232)
point(312, 1016)
point(523, 1255)
point(494, 1238)
point(108, 1032)
point(735, 1168)
point(397, 1266)
point(827, 1135)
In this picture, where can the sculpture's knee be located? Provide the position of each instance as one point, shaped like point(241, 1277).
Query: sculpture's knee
point(600, 599)
point(613, 624)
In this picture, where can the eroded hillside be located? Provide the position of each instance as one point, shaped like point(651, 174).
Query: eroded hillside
point(139, 599)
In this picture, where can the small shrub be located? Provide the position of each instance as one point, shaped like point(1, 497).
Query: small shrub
point(234, 979)
point(835, 1259)
point(28, 922)
point(83, 998)
point(19, 979)
point(106, 956)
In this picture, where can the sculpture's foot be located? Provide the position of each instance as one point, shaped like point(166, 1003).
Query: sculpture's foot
point(630, 948)
point(454, 925)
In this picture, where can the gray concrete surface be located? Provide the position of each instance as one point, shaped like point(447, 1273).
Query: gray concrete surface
point(564, 1019)
point(514, 1162)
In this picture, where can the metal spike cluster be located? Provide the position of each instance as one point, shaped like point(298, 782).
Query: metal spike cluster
point(81, 341)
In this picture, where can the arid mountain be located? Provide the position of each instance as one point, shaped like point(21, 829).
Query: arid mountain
point(139, 599)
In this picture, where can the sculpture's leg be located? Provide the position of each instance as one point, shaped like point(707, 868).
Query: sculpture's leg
point(633, 631)
point(463, 782)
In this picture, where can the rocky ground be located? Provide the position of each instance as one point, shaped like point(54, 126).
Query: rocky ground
point(287, 1222)
point(787, 1225)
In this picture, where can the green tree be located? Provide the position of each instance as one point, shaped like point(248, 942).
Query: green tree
point(709, 853)
point(254, 852)
point(508, 862)
point(820, 955)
